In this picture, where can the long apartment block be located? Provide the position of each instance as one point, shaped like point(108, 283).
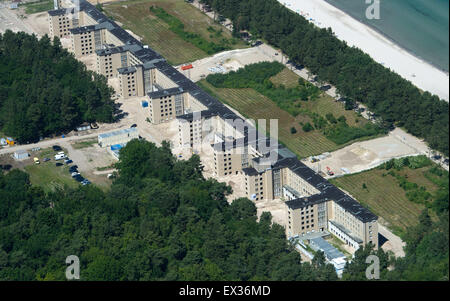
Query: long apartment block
point(270, 170)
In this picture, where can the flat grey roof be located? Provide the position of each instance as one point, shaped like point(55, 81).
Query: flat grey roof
point(166, 92)
point(119, 132)
point(21, 151)
point(321, 244)
point(126, 70)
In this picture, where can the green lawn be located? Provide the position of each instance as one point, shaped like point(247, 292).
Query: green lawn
point(286, 77)
point(37, 7)
point(49, 176)
point(85, 143)
point(136, 16)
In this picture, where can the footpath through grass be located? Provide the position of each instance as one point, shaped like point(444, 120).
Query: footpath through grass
point(177, 30)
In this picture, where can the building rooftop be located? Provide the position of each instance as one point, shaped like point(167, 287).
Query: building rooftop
point(119, 132)
point(57, 12)
point(126, 70)
point(165, 92)
point(250, 171)
point(330, 252)
point(327, 191)
point(199, 114)
point(20, 152)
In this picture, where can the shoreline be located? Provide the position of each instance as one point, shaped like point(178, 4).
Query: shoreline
point(379, 46)
point(392, 40)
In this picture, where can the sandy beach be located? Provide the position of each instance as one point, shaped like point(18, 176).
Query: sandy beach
point(420, 73)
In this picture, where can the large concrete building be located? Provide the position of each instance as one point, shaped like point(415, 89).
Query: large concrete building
point(270, 170)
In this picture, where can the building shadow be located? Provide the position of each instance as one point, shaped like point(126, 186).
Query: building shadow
point(381, 240)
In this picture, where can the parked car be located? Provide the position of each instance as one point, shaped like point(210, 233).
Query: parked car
point(68, 161)
point(58, 164)
point(59, 157)
point(57, 148)
point(7, 167)
point(36, 160)
point(46, 159)
point(325, 88)
point(133, 125)
point(74, 174)
point(78, 178)
point(256, 44)
point(85, 182)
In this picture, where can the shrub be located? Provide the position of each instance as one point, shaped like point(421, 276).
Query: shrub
point(307, 127)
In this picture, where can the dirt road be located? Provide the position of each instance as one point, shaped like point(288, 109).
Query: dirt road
point(10, 20)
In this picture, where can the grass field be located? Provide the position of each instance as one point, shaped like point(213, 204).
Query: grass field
point(136, 16)
point(49, 176)
point(254, 105)
point(323, 105)
point(385, 197)
point(84, 144)
point(286, 77)
point(38, 6)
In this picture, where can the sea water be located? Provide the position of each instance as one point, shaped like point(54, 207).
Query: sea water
point(418, 26)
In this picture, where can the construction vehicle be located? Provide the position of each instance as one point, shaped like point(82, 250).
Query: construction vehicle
point(330, 172)
point(10, 141)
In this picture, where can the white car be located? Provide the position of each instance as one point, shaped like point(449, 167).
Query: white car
point(59, 157)
point(74, 174)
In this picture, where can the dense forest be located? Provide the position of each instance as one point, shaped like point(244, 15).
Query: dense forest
point(44, 90)
point(162, 220)
point(257, 76)
point(355, 74)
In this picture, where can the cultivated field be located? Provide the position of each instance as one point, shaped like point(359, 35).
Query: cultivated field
point(136, 16)
point(253, 105)
point(385, 197)
point(286, 77)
